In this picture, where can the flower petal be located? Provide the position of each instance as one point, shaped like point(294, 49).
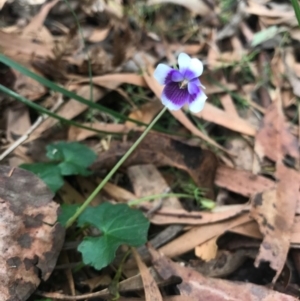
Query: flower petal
point(190, 68)
point(184, 62)
point(193, 88)
point(196, 81)
point(196, 67)
point(173, 97)
point(197, 101)
point(162, 74)
point(176, 76)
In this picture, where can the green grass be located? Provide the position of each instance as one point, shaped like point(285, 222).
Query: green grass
point(296, 7)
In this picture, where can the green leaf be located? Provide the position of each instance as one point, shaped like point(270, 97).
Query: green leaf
point(48, 172)
point(265, 35)
point(69, 168)
point(119, 225)
point(66, 212)
point(71, 152)
point(75, 157)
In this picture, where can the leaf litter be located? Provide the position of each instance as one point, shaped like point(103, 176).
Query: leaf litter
point(241, 153)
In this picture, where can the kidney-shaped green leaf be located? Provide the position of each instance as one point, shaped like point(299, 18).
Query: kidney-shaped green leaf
point(119, 225)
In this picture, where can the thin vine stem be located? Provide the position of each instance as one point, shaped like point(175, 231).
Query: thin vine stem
point(113, 170)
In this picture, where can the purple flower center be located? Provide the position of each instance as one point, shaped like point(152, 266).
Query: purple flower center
point(183, 84)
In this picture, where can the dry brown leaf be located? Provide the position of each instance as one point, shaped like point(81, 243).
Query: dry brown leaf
point(251, 229)
point(111, 81)
point(181, 117)
point(22, 49)
point(70, 109)
point(295, 237)
point(94, 282)
point(28, 87)
point(118, 193)
point(223, 59)
point(274, 138)
point(195, 286)
point(151, 289)
point(147, 180)
point(274, 211)
point(31, 239)
point(160, 150)
point(144, 113)
point(259, 9)
point(235, 123)
point(228, 103)
point(79, 134)
point(243, 153)
point(224, 264)
point(241, 181)
point(35, 26)
point(86, 187)
point(200, 234)
point(288, 98)
point(18, 122)
point(165, 216)
point(295, 33)
point(191, 49)
point(208, 250)
point(98, 35)
point(198, 7)
point(291, 64)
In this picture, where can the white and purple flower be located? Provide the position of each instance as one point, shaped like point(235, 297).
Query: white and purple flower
point(182, 86)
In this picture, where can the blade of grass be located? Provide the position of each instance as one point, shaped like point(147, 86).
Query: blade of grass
point(84, 46)
point(51, 85)
point(42, 110)
point(7, 61)
point(12, 64)
point(296, 7)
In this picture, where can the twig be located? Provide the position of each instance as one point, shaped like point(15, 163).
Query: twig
point(23, 138)
point(67, 297)
point(158, 205)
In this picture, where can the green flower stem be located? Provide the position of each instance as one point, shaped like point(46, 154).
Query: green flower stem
point(114, 169)
point(159, 196)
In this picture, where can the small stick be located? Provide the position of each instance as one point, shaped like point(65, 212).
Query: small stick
point(11, 172)
point(59, 296)
point(158, 205)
